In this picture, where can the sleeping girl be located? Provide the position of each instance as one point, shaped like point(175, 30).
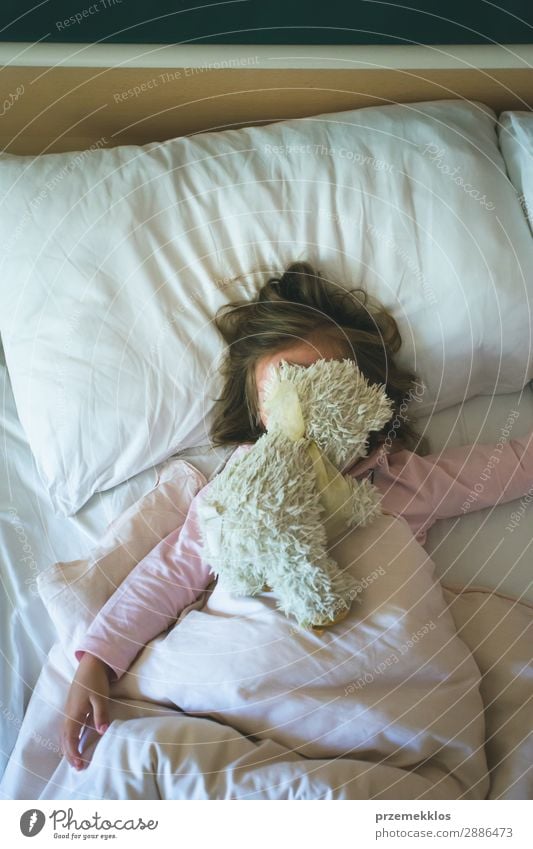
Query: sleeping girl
point(298, 318)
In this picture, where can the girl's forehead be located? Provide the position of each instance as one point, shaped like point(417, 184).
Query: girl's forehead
point(303, 352)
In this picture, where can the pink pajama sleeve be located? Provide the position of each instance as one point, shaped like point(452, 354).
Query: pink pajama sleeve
point(454, 482)
point(150, 599)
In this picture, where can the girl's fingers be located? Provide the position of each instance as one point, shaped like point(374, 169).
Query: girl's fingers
point(71, 734)
point(100, 714)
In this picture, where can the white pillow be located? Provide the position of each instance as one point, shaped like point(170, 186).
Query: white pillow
point(115, 261)
point(515, 131)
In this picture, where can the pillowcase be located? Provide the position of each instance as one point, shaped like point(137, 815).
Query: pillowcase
point(515, 132)
point(115, 261)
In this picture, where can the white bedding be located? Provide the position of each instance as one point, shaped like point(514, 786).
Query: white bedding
point(150, 752)
point(476, 549)
point(32, 537)
point(114, 262)
point(27, 519)
point(28, 634)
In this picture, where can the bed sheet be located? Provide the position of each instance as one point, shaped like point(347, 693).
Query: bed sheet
point(491, 547)
point(476, 549)
point(31, 538)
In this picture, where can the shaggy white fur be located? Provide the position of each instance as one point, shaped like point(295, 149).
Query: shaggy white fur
point(269, 516)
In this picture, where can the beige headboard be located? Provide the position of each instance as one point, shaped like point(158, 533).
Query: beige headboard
point(72, 97)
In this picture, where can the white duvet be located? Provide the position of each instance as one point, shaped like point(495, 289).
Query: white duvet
point(150, 752)
point(391, 683)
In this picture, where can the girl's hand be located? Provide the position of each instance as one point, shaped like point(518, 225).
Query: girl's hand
point(86, 705)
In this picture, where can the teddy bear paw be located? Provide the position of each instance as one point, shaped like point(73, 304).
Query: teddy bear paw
point(318, 627)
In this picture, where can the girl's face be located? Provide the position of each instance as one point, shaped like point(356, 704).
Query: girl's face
point(304, 352)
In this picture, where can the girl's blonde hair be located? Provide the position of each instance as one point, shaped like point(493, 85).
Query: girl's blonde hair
point(292, 307)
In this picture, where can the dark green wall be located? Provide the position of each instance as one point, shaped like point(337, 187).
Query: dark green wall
point(269, 21)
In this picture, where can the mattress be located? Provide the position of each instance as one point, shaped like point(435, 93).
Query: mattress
point(474, 549)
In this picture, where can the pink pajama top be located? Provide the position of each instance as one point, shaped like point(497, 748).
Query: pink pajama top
point(421, 489)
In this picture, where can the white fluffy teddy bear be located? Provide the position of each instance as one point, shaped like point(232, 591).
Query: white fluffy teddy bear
point(268, 518)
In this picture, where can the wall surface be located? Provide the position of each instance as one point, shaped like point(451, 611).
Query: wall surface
point(268, 21)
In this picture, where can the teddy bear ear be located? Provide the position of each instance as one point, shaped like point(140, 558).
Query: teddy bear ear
point(271, 381)
point(284, 412)
point(286, 372)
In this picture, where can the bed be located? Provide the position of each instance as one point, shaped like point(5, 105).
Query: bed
point(76, 459)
